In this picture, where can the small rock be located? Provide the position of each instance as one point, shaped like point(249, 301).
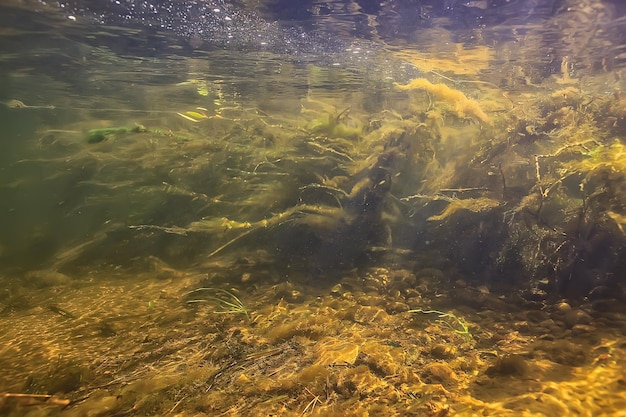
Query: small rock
point(337, 352)
point(443, 351)
point(608, 306)
point(439, 372)
point(368, 314)
point(370, 300)
point(511, 365)
point(605, 292)
point(574, 317)
point(535, 294)
point(562, 352)
point(287, 292)
point(583, 329)
point(521, 326)
point(337, 290)
point(563, 307)
point(46, 278)
point(537, 316)
point(460, 283)
point(549, 324)
point(431, 274)
point(396, 307)
point(412, 293)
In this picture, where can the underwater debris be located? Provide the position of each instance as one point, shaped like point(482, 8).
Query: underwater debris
point(194, 116)
point(61, 312)
point(18, 104)
point(202, 87)
point(21, 400)
point(619, 219)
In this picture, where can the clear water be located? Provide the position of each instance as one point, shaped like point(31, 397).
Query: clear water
point(325, 208)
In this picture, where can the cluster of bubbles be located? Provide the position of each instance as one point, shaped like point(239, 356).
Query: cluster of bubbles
point(204, 24)
point(307, 26)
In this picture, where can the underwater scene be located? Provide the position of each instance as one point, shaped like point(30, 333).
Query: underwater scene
point(313, 208)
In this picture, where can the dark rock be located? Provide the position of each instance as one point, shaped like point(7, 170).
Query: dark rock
point(510, 365)
point(608, 306)
point(443, 351)
point(535, 294)
point(574, 317)
point(604, 292)
point(563, 352)
point(537, 316)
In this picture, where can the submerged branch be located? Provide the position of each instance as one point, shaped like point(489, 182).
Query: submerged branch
point(224, 224)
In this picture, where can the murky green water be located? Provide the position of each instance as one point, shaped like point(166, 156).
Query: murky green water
point(333, 208)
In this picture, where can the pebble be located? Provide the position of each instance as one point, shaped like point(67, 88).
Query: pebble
point(443, 351)
point(369, 314)
point(563, 307)
point(396, 307)
point(583, 329)
point(550, 326)
point(512, 365)
point(574, 317)
point(537, 316)
point(439, 372)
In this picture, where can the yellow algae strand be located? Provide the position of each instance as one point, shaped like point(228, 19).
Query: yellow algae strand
point(461, 105)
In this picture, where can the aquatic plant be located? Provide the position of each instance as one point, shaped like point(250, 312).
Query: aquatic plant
point(335, 125)
point(225, 302)
point(99, 135)
point(460, 104)
point(475, 205)
point(450, 320)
